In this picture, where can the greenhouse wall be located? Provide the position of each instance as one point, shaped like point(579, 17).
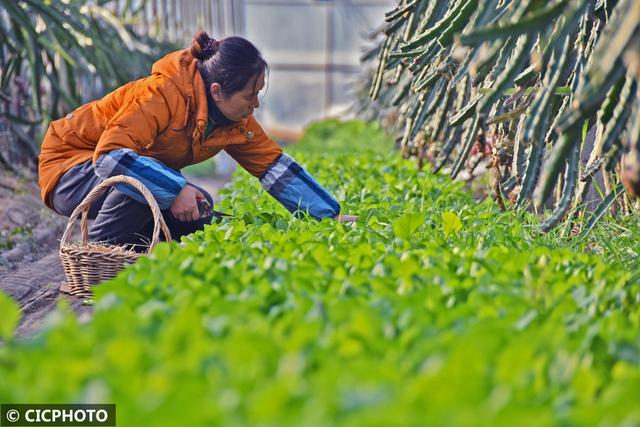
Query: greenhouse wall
point(312, 46)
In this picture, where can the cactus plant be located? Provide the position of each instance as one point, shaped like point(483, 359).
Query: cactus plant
point(520, 82)
point(54, 53)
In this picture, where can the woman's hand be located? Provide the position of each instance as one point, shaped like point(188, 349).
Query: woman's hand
point(345, 218)
point(185, 206)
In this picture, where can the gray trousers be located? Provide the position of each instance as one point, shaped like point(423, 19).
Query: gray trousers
point(118, 218)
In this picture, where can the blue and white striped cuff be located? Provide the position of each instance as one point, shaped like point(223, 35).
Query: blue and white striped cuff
point(292, 186)
point(163, 182)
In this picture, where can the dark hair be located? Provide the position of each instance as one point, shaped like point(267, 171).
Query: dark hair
point(231, 62)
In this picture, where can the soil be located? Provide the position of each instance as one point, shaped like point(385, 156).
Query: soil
point(30, 270)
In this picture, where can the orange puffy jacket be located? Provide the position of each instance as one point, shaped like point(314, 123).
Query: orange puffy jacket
point(163, 116)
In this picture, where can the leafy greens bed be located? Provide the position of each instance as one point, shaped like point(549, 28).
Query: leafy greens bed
point(433, 309)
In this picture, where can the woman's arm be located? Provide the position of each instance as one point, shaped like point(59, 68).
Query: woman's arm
point(134, 128)
point(297, 190)
point(164, 183)
point(167, 185)
point(282, 177)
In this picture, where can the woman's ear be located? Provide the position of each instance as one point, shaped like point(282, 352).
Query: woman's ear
point(216, 91)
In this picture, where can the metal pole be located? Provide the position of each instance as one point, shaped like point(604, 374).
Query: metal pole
point(174, 20)
point(328, 73)
point(164, 20)
point(153, 21)
point(221, 17)
point(183, 18)
point(208, 27)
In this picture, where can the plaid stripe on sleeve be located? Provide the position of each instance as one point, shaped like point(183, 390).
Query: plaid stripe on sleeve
point(163, 182)
point(296, 190)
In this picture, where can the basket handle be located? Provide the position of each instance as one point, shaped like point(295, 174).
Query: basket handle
point(83, 208)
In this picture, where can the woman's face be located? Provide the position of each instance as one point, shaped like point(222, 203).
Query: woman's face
point(240, 104)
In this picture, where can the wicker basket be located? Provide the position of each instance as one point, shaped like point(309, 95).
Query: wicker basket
point(89, 263)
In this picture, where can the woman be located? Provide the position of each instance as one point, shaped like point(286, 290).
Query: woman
point(195, 103)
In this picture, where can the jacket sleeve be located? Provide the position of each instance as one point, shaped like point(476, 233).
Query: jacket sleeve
point(297, 190)
point(131, 130)
point(282, 177)
point(258, 152)
point(163, 182)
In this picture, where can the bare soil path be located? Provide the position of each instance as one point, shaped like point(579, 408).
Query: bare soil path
point(36, 287)
point(30, 270)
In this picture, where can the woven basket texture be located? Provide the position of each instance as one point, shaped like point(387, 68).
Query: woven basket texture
point(87, 263)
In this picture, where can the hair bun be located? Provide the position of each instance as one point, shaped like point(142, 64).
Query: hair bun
point(203, 46)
